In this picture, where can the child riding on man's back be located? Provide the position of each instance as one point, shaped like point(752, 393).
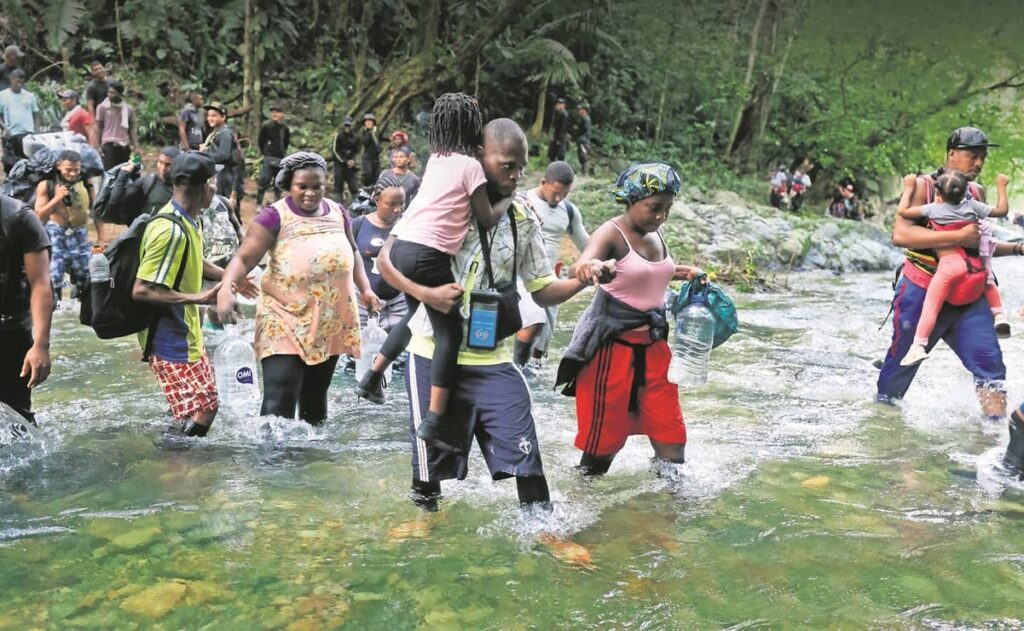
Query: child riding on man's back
point(953, 209)
point(453, 191)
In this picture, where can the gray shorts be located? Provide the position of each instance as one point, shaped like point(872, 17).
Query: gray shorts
point(491, 403)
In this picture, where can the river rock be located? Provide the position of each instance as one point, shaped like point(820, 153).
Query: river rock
point(730, 231)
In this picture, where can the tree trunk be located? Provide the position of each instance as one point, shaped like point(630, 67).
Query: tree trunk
point(407, 78)
point(247, 67)
point(537, 128)
point(755, 36)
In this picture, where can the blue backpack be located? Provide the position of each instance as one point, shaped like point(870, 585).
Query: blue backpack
point(717, 301)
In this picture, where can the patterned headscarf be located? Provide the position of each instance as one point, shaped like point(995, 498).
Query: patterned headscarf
point(641, 181)
point(297, 162)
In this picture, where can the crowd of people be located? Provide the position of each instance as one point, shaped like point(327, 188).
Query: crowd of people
point(456, 263)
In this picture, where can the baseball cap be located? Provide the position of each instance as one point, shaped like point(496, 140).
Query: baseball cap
point(13, 50)
point(369, 117)
point(560, 99)
point(217, 105)
point(968, 138)
point(67, 94)
point(192, 168)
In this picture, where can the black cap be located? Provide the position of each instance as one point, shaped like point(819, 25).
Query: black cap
point(276, 107)
point(192, 168)
point(217, 105)
point(347, 120)
point(968, 138)
point(560, 99)
point(583, 106)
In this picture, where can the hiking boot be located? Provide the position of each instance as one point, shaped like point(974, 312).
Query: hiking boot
point(371, 387)
point(1002, 326)
point(914, 356)
point(432, 429)
point(1013, 460)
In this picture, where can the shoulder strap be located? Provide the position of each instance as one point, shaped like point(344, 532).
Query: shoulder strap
point(152, 185)
point(151, 334)
point(486, 247)
point(571, 211)
point(629, 247)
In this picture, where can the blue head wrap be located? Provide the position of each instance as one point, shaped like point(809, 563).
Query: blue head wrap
point(641, 181)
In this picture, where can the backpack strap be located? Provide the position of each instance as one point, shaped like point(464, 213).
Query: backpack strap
point(485, 245)
point(571, 211)
point(357, 226)
point(149, 189)
point(147, 351)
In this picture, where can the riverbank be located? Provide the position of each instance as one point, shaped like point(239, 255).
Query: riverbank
point(750, 244)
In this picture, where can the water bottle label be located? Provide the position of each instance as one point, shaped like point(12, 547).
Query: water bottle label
point(244, 375)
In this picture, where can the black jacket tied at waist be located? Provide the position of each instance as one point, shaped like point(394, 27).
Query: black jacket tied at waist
point(603, 321)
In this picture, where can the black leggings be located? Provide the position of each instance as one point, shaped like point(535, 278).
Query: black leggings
point(289, 382)
point(433, 268)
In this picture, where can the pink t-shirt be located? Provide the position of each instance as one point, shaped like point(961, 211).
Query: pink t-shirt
point(439, 215)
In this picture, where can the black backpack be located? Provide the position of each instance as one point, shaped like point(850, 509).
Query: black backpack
point(125, 212)
point(26, 174)
point(108, 307)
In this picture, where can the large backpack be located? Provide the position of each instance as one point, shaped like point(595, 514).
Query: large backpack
point(109, 307)
point(27, 173)
point(123, 213)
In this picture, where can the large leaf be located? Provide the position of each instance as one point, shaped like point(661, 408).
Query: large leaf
point(62, 18)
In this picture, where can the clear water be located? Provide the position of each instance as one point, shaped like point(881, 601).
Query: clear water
point(804, 504)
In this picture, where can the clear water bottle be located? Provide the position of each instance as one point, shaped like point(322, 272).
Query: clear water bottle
point(99, 266)
point(691, 345)
point(371, 339)
point(234, 364)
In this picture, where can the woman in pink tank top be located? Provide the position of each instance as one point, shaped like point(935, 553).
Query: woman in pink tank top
point(619, 347)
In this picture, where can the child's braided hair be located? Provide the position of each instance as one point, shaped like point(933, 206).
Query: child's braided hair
point(456, 125)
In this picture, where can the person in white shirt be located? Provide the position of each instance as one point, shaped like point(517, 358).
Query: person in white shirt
point(558, 217)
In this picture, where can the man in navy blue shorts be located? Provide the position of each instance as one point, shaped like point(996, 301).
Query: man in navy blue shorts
point(490, 401)
point(967, 328)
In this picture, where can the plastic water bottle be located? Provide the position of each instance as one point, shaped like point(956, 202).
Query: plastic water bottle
point(234, 365)
point(99, 266)
point(372, 338)
point(691, 346)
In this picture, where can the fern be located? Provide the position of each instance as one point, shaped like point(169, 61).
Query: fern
point(62, 19)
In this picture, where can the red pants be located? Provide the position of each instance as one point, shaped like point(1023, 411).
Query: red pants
point(614, 401)
point(952, 269)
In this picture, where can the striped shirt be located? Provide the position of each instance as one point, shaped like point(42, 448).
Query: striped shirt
point(179, 336)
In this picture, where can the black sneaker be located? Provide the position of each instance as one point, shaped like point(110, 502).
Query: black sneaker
point(434, 430)
point(1013, 460)
point(371, 387)
point(349, 364)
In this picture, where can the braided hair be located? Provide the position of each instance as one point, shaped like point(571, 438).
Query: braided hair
point(456, 125)
point(296, 162)
point(384, 182)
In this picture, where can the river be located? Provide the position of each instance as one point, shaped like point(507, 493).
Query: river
point(804, 504)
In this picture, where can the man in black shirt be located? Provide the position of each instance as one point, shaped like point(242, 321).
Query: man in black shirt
point(371, 150)
point(26, 304)
point(274, 140)
point(583, 136)
point(130, 197)
point(97, 89)
point(346, 147)
point(559, 132)
point(222, 146)
point(192, 122)
point(12, 55)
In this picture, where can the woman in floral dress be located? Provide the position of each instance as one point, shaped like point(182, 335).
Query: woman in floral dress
point(307, 314)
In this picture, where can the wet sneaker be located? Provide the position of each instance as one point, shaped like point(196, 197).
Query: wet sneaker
point(432, 429)
point(371, 387)
point(1002, 326)
point(914, 356)
point(1013, 460)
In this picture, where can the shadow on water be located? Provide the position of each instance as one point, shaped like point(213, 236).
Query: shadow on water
point(803, 502)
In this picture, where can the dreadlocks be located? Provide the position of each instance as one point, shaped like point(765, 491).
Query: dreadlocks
point(456, 125)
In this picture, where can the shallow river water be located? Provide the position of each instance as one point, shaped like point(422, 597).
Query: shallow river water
point(804, 504)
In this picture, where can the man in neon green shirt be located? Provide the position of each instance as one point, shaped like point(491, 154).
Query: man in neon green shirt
point(490, 398)
point(171, 270)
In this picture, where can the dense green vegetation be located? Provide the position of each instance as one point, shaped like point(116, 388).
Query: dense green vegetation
point(724, 89)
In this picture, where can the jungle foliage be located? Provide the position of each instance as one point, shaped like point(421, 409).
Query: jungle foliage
point(723, 88)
